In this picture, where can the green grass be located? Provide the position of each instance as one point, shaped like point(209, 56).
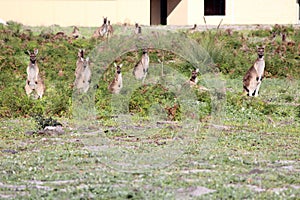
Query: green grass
point(235, 146)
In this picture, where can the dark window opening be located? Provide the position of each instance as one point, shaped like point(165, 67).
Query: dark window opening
point(214, 7)
point(163, 12)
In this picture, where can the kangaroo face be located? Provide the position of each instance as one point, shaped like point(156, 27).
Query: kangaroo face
point(260, 51)
point(32, 56)
point(145, 51)
point(118, 69)
point(194, 75)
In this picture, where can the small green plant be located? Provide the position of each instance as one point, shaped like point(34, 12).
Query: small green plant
point(43, 122)
point(146, 96)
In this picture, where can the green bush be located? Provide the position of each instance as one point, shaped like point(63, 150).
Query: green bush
point(228, 51)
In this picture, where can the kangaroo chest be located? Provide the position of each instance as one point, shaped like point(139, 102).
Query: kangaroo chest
point(146, 60)
point(32, 71)
point(260, 67)
point(119, 79)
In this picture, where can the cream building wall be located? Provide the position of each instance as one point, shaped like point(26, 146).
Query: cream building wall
point(75, 12)
point(179, 15)
point(180, 12)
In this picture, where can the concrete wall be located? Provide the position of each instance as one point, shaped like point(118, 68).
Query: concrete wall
point(178, 12)
point(75, 12)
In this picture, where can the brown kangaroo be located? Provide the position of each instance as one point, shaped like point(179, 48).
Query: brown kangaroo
point(110, 29)
point(102, 30)
point(75, 33)
point(194, 29)
point(253, 78)
point(34, 82)
point(117, 83)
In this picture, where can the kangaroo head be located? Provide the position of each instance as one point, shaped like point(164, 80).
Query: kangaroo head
point(260, 51)
point(75, 29)
point(118, 68)
point(80, 53)
point(145, 51)
point(194, 75)
point(136, 25)
point(104, 20)
point(33, 55)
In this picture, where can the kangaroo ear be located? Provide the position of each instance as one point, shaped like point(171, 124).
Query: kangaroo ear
point(28, 52)
point(36, 51)
point(197, 70)
point(121, 65)
point(115, 64)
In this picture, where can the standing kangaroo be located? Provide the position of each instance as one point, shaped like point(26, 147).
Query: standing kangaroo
point(34, 81)
point(117, 83)
point(102, 30)
point(82, 73)
point(110, 29)
point(138, 29)
point(75, 33)
point(253, 78)
point(141, 68)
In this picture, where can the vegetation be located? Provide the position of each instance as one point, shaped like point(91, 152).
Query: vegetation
point(240, 147)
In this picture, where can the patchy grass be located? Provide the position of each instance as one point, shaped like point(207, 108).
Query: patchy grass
point(250, 151)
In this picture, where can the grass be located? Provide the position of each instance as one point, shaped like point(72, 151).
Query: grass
point(248, 148)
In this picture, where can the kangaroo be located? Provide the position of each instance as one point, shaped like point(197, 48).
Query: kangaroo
point(141, 68)
point(102, 30)
point(34, 81)
point(138, 29)
point(75, 33)
point(253, 78)
point(110, 29)
point(192, 30)
point(117, 83)
point(194, 80)
point(82, 73)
